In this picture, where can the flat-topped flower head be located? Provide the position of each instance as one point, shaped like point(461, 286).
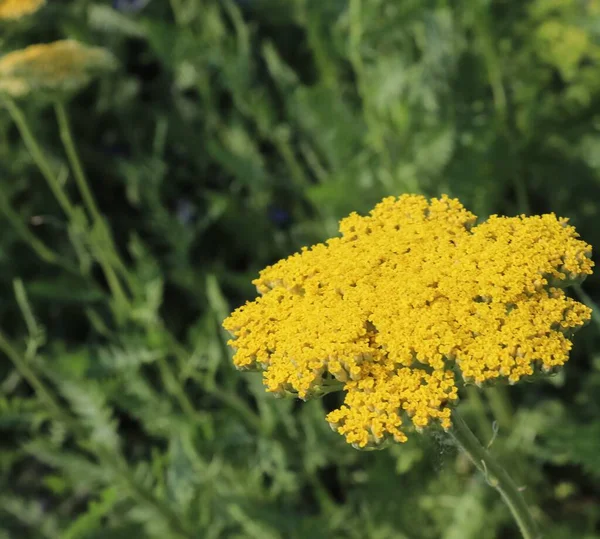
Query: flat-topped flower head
point(408, 298)
point(16, 9)
point(52, 69)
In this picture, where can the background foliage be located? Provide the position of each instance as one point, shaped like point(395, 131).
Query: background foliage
point(233, 134)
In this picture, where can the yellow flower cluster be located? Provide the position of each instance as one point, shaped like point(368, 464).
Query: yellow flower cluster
point(59, 67)
point(15, 9)
point(406, 297)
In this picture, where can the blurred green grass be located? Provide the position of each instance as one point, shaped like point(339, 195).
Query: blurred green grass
point(232, 135)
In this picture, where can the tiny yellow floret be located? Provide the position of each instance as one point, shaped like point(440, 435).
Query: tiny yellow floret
point(407, 297)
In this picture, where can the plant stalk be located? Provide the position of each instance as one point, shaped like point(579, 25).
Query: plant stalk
point(38, 156)
point(495, 475)
point(110, 253)
point(73, 156)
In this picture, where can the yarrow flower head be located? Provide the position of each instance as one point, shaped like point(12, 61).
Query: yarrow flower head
point(410, 301)
point(56, 69)
point(15, 9)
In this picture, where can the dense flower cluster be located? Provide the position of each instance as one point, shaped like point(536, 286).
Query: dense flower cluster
point(54, 68)
point(15, 9)
point(407, 299)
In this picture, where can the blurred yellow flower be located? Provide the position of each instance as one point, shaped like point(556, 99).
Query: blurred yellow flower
point(404, 299)
point(55, 68)
point(15, 9)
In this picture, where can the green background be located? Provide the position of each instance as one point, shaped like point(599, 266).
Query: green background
point(232, 135)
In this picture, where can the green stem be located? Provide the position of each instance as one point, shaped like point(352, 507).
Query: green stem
point(38, 156)
point(57, 189)
point(59, 193)
point(27, 372)
point(500, 405)
point(493, 63)
point(484, 426)
point(495, 475)
point(83, 186)
point(69, 145)
point(40, 248)
point(375, 135)
point(90, 203)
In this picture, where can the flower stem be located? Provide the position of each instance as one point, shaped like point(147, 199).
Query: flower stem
point(484, 426)
point(500, 405)
point(109, 251)
point(57, 189)
point(495, 475)
point(73, 156)
point(38, 156)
